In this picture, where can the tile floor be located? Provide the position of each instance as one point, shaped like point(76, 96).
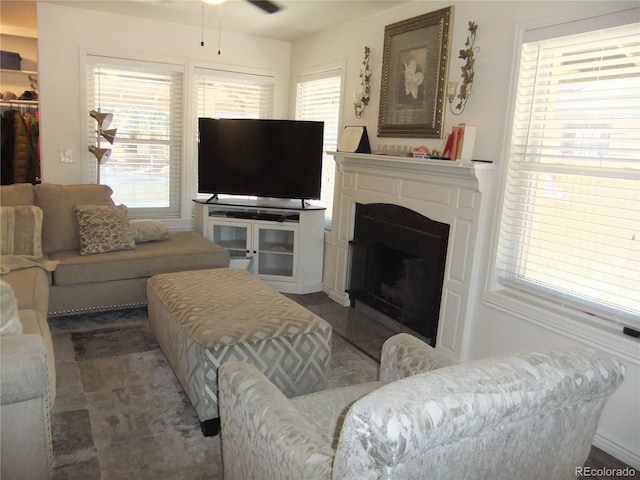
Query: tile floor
point(363, 327)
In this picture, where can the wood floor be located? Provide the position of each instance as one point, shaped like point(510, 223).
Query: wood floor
point(604, 467)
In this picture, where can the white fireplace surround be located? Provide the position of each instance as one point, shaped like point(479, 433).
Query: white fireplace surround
point(450, 192)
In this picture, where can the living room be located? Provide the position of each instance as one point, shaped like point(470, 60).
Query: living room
point(67, 34)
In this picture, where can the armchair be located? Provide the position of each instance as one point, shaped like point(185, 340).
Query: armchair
point(530, 415)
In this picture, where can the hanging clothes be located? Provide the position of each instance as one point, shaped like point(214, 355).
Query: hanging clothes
point(20, 150)
point(34, 171)
point(6, 150)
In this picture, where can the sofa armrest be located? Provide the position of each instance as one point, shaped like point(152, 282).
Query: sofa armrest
point(263, 435)
point(23, 368)
point(404, 355)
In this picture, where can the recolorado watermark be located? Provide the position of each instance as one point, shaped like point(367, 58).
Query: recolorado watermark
point(605, 472)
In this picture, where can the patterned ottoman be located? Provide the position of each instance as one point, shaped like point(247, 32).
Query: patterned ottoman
point(206, 317)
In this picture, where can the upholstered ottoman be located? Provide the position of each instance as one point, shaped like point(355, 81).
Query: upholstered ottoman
point(204, 318)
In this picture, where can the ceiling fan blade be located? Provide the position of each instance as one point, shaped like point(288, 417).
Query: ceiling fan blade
point(265, 5)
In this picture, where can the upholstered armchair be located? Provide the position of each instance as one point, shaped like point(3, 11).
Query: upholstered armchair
point(529, 415)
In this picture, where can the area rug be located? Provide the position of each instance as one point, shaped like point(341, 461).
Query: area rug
point(110, 342)
point(120, 412)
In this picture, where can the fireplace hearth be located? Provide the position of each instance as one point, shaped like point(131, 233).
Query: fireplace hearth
point(397, 265)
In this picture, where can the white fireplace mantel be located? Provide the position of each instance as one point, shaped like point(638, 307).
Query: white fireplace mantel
point(452, 192)
point(462, 170)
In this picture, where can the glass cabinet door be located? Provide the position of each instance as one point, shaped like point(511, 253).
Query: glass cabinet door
point(276, 252)
point(234, 238)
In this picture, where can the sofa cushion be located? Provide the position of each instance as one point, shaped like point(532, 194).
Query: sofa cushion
point(103, 228)
point(9, 320)
point(58, 203)
point(21, 230)
point(148, 231)
point(16, 194)
point(181, 251)
point(30, 283)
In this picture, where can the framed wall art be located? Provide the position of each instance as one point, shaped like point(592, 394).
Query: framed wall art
point(414, 76)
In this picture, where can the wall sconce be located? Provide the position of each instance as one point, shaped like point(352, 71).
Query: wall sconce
point(102, 154)
point(466, 54)
point(361, 102)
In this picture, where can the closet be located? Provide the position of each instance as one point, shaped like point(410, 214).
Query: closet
point(19, 114)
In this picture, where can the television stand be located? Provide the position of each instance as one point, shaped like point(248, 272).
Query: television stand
point(280, 241)
point(270, 217)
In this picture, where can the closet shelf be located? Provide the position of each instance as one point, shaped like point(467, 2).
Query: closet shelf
point(23, 72)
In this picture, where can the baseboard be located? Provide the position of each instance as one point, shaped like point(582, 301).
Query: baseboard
point(618, 451)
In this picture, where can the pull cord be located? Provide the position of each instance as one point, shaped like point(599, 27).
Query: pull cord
point(202, 29)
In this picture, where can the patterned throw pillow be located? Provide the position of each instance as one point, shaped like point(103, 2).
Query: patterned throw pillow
point(148, 231)
point(21, 230)
point(103, 228)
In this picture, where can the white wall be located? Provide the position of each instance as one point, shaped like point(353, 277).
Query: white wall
point(491, 330)
point(67, 34)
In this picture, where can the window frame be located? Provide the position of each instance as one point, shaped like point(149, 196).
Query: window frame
point(244, 76)
point(562, 317)
point(328, 71)
point(175, 142)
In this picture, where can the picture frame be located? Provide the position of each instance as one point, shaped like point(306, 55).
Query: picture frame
point(414, 76)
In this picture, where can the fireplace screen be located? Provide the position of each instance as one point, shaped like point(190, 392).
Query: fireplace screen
point(397, 265)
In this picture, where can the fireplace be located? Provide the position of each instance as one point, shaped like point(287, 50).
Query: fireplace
point(452, 193)
point(397, 265)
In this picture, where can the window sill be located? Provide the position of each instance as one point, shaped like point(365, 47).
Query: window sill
point(581, 327)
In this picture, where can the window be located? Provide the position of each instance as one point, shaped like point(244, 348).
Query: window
point(570, 225)
point(222, 94)
point(318, 99)
point(227, 94)
point(146, 102)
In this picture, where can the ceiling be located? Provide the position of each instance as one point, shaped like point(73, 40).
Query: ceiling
point(297, 19)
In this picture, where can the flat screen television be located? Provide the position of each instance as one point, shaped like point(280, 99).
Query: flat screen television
point(263, 158)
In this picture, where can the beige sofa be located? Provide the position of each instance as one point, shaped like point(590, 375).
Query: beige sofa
point(27, 380)
point(103, 281)
point(43, 265)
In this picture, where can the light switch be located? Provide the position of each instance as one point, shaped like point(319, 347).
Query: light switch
point(66, 155)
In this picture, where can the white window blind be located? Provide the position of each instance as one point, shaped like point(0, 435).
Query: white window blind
point(570, 227)
point(318, 99)
point(227, 94)
point(222, 94)
point(145, 99)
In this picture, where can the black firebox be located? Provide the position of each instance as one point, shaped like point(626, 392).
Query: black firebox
point(397, 265)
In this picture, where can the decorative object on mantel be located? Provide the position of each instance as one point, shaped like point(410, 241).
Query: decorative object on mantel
point(354, 140)
point(460, 142)
point(421, 152)
point(466, 54)
point(360, 103)
point(414, 71)
point(102, 154)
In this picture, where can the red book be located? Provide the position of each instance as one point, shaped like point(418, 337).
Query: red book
point(455, 133)
point(446, 151)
